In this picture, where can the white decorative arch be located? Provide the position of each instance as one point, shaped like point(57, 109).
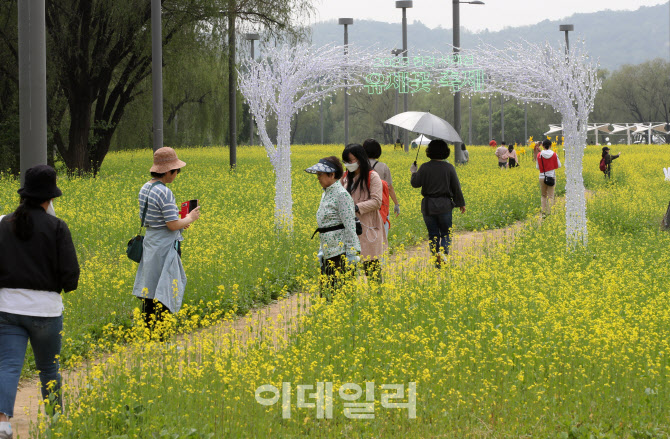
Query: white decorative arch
point(568, 82)
point(284, 82)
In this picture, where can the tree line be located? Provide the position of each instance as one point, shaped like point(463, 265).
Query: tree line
point(99, 83)
point(99, 71)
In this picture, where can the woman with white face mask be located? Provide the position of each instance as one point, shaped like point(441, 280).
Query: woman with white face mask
point(365, 187)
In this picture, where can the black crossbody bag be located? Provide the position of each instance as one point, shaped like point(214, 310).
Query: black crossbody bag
point(136, 243)
point(549, 181)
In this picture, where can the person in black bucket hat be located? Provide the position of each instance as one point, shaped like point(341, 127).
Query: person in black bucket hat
point(38, 261)
point(40, 183)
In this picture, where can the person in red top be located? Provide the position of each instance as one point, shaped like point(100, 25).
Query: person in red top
point(493, 143)
point(547, 162)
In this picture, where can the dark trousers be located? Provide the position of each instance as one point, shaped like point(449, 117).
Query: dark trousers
point(334, 273)
point(153, 312)
point(439, 232)
point(373, 270)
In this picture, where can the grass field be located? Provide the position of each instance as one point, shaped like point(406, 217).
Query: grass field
point(532, 342)
point(233, 258)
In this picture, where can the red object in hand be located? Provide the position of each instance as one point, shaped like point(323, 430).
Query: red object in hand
point(187, 207)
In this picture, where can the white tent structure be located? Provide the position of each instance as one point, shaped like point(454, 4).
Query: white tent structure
point(554, 129)
point(634, 128)
point(627, 127)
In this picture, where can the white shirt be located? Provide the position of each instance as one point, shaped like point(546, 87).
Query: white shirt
point(31, 302)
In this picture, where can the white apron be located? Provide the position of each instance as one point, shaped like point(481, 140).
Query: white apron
point(160, 274)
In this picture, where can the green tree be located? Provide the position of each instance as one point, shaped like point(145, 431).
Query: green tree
point(99, 56)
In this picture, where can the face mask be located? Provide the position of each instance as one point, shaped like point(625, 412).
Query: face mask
point(351, 167)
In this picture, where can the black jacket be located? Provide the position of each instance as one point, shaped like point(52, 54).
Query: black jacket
point(440, 187)
point(45, 262)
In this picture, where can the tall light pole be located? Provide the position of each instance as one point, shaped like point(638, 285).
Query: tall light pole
point(470, 120)
point(346, 22)
point(502, 118)
point(32, 85)
point(525, 123)
point(459, 158)
point(490, 120)
point(404, 5)
point(157, 73)
point(566, 28)
point(251, 38)
point(396, 52)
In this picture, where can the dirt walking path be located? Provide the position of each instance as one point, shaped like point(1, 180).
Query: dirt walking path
point(466, 247)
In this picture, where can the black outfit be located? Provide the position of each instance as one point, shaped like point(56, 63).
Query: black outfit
point(441, 192)
point(608, 164)
point(45, 262)
point(440, 187)
point(336, 272)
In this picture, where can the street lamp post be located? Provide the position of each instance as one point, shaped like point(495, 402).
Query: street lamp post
point(404, 5)
point(459, 158)
point(157, 73)
point(251, 38)
point(32, 85)
point(490, 120)
point(396, 52)
point(346, 22)
point(502, 118)
point(525, 123)
point(470, 120)
point(566, 28)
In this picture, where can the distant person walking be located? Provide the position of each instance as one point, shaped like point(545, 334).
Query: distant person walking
point(493, 143)
point(606, 162)
point(441, 192)
point(466, 153)
point(512, 157)
point(547, 163)
point(537, 148)
point(501, 153)
point(374, 150)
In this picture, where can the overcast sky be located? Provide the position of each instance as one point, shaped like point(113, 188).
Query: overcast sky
point(494, 15)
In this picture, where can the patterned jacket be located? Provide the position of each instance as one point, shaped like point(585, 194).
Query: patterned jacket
point(337, 208)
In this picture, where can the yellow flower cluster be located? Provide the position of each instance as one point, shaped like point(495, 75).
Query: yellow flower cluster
point(527, 340)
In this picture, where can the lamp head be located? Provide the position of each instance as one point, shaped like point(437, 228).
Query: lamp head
point(346, 21)
point(566, 27)
point(403, 4)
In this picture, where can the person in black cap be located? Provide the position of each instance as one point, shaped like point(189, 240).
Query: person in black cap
point(606, 161)
point(336, 222)
point(37, 262)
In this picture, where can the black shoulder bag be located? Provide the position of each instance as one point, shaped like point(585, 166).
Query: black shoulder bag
point(548, 180)
point(136, 243)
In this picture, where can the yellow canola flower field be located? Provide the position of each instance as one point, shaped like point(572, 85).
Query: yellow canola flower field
point(527, 341)
point(234, 258)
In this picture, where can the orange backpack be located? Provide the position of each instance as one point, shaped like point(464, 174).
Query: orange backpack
point(384, 210)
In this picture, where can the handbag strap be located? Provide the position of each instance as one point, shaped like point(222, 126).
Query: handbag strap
point(146, 204)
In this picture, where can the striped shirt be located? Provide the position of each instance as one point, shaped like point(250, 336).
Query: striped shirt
point(162, 205)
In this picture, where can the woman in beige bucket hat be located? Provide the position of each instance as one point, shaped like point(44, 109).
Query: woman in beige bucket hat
point(160, 279)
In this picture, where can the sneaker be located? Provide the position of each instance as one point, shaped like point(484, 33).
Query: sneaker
point(6, 433)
